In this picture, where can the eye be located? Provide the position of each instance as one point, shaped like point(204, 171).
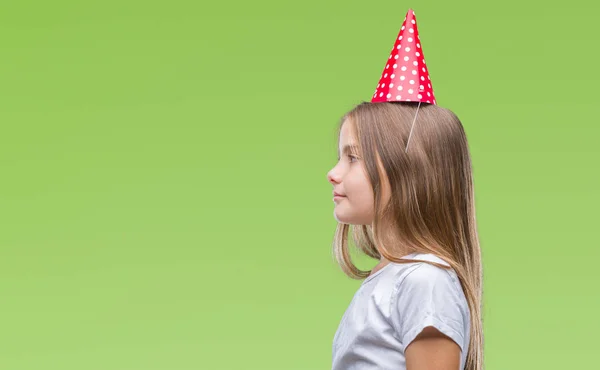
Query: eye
point(350, 156)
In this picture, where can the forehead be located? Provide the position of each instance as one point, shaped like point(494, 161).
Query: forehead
point(347, 133)
point(347, 142)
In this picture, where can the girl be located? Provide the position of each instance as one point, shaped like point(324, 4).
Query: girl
point(413, 210)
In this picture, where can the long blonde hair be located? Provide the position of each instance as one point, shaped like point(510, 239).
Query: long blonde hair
point(432, 204)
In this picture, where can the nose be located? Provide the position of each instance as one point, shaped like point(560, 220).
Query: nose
point(333, 177)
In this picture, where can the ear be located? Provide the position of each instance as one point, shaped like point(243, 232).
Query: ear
point(384, 180)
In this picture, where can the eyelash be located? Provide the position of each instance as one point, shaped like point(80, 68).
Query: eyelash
point(351, 156)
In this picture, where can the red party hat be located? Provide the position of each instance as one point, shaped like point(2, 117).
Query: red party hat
point(405, 76)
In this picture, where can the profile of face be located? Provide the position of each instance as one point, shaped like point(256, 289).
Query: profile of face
point(349, 178)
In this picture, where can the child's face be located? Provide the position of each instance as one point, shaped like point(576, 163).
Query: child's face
point(349, 178)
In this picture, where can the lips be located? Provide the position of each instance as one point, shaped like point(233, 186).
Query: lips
point(337, 195)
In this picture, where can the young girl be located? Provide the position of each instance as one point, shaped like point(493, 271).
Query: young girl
point(403, 182)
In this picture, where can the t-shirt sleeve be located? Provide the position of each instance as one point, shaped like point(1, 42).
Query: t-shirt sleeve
point(429, 296)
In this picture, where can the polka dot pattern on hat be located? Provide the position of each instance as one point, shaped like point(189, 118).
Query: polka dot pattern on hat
point(409, 66)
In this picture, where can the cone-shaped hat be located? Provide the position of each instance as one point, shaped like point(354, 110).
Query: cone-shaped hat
point(405, 76)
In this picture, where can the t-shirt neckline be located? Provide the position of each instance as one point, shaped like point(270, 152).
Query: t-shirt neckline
point(408, 256)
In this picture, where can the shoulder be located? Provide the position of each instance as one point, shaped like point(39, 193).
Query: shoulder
point(428, 295)
point(423, 275)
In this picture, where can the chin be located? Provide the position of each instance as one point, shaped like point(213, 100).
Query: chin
point(341, 218)
point(345, 219)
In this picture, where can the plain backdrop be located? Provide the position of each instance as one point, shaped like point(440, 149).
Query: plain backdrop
point(163, 193)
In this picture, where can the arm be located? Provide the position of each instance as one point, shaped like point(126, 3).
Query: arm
point(430, 315)
point(432, 350)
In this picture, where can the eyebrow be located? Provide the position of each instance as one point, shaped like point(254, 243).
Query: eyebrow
point(348, 148)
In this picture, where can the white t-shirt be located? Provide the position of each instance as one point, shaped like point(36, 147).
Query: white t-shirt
point(392, 306)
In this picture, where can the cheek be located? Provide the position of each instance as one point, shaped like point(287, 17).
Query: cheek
point(359, 190)
point(357, 208)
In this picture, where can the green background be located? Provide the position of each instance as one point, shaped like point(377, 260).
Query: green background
point(164, 200)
